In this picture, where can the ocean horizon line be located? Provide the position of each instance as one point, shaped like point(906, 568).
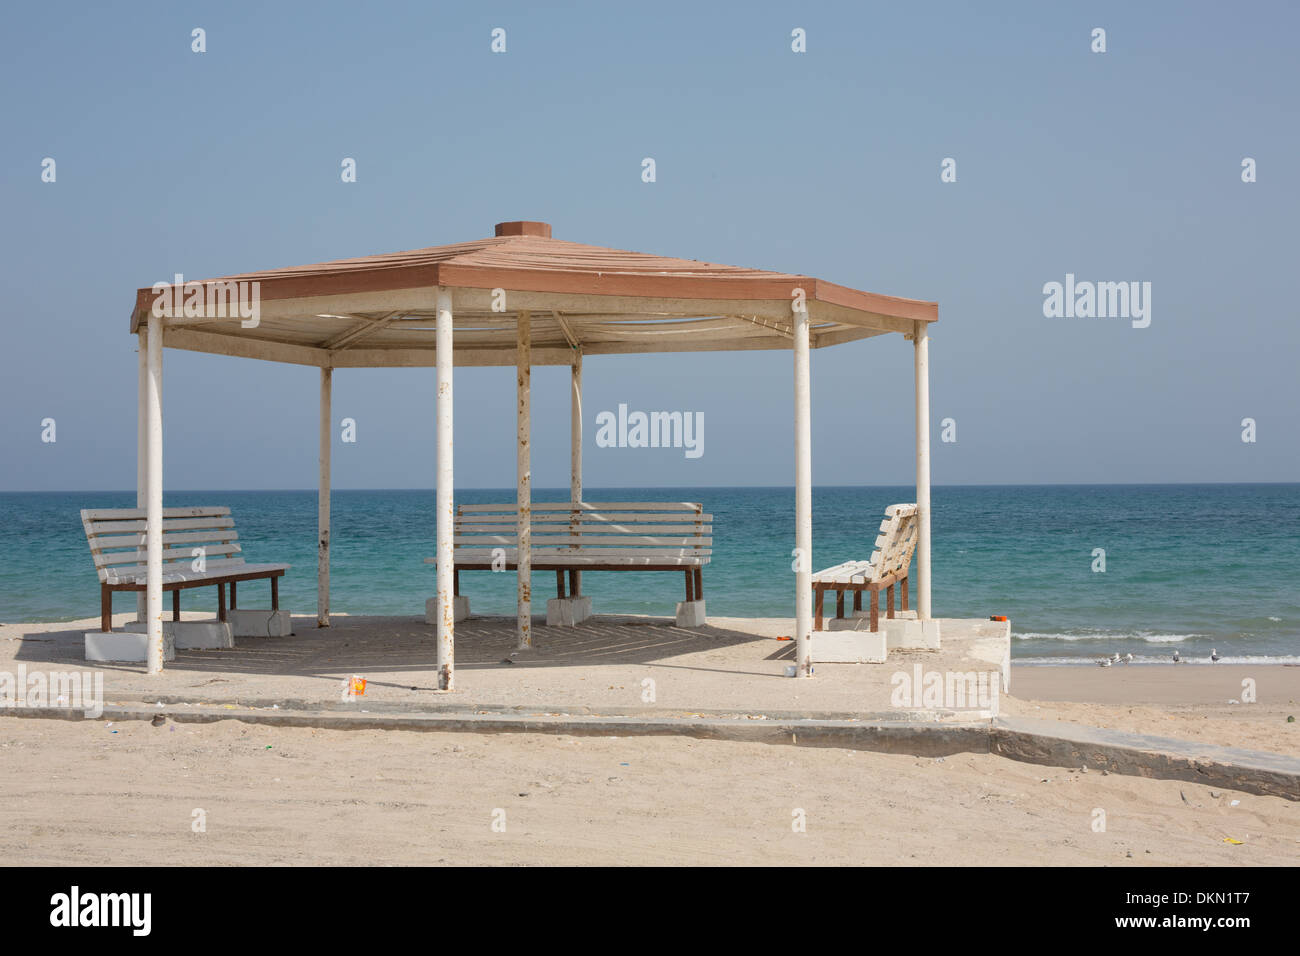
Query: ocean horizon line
point(477, 488)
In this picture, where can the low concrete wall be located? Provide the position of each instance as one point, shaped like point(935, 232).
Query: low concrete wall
point(1032, 741)
point(1074, 745)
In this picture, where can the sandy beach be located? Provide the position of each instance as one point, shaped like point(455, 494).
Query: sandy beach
point(88, 793)
point(125, 792)
point(1200, 702)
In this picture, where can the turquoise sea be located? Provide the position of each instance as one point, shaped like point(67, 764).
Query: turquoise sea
point(1187, 566)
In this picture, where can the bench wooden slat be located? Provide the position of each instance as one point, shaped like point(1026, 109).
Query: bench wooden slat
point(640, 517)
point(109, 558)
point(571, 560)
point(169, 524)
point(589, 506)
point(568, 551)
point(540, 540)
point(210, 567)
point(223, 535)
point(106, 514)
point(653, 531)
point(210, 574)
point(476, 523)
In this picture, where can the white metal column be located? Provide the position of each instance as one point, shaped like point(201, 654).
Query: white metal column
point(921, 349)
point(323, 502)
point(445, 498)
point(575, 451)
point(524, 478)
point(803, 610)
point(153, 501)
point(575, 430)
point(142, 445)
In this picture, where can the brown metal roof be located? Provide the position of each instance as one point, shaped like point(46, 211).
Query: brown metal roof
point(596, 298)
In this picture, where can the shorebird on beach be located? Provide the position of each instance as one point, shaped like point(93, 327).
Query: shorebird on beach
point(1177, 659)
point(1115, 658)
point(1104, 662)
point(1128, 658)
point(1214, 655)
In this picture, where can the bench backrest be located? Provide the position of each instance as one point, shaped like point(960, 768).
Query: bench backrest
point(117, 540)
point(668, 529)
point(896, 541)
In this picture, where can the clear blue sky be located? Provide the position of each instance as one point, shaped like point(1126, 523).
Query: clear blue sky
point(1117, 166)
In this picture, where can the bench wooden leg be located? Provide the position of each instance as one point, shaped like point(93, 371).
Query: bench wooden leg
point(902, 588)
point(690, 587)
point(875, 610)
point(221, 601)
point(105, 608)
point(889, 602)
point(275, 594)
point(820, 593)
point(234, 598)
point(176, 604)
point(575, 583)
point(455, 582)
point(559, 583)
point(857, 600)
point(839, 604)
point(699, 584)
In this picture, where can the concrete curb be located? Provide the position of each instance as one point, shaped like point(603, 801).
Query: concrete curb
point(902, 736)
point(1044, 742)
point(442, 703)
point(1075, 745)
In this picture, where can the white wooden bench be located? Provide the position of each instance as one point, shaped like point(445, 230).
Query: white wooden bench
point(570, 538)
point(117, 545)
point(887, 566)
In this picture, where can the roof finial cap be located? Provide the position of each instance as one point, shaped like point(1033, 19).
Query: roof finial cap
point(524, 227)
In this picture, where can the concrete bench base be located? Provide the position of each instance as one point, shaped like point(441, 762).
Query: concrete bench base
point(192, 635)
point(124, 646)
point(844, 646)
point(567, 611)
point(460, 605)
point(250, 623)
point(908, 615)
point(691, 613)
point(909, 633)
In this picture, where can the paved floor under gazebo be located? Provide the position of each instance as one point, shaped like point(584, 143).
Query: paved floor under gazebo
point(609, 664)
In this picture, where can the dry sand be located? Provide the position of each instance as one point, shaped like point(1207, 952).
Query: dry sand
point(79, 793)
point(1187, 701)
point(87, 792)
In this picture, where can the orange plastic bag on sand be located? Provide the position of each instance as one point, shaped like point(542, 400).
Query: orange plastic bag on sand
point(357, 686)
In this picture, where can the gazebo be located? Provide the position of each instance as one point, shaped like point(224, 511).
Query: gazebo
point(519, 298)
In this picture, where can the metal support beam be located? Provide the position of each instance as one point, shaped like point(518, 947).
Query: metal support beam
point(142, 445)
point(524, 478)
point(921, 350)
point(323, 503)
point(575, 451)
point(802, 498)
point(445, 499)
point(153, 502)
